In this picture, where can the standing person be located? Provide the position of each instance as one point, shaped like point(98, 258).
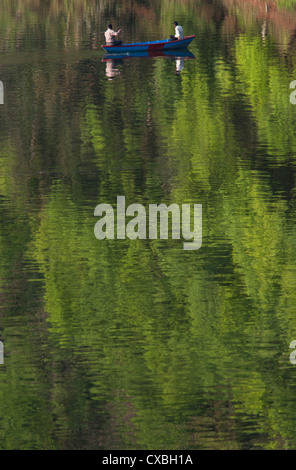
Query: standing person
point(178, 32)
point(110, 36)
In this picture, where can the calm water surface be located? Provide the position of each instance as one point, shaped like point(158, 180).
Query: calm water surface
point(138, 344)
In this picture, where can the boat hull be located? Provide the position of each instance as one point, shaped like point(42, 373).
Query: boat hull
point(163, 44)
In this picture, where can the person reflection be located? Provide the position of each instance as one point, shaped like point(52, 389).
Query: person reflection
point(263, 30)
point(111, 70)
point(264, 24)
point(180, 63)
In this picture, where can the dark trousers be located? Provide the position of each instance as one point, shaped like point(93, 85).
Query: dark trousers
point(173, 38)
point(114, 43)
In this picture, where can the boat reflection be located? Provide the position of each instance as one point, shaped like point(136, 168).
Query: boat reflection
point(112, 60)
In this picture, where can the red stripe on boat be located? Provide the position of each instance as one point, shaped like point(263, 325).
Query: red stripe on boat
point(155, 47)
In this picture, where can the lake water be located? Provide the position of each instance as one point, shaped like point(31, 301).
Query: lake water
point(140, 344)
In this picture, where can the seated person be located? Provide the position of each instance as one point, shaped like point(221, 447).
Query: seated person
point(110, 36)
point(178, 32)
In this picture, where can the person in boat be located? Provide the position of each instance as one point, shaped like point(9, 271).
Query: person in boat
point(178, 32)
point(110, 36)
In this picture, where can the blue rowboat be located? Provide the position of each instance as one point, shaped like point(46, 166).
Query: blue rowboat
point(160, 45)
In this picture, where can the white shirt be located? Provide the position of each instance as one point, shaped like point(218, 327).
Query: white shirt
point(179, 32)
point(110, 35)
